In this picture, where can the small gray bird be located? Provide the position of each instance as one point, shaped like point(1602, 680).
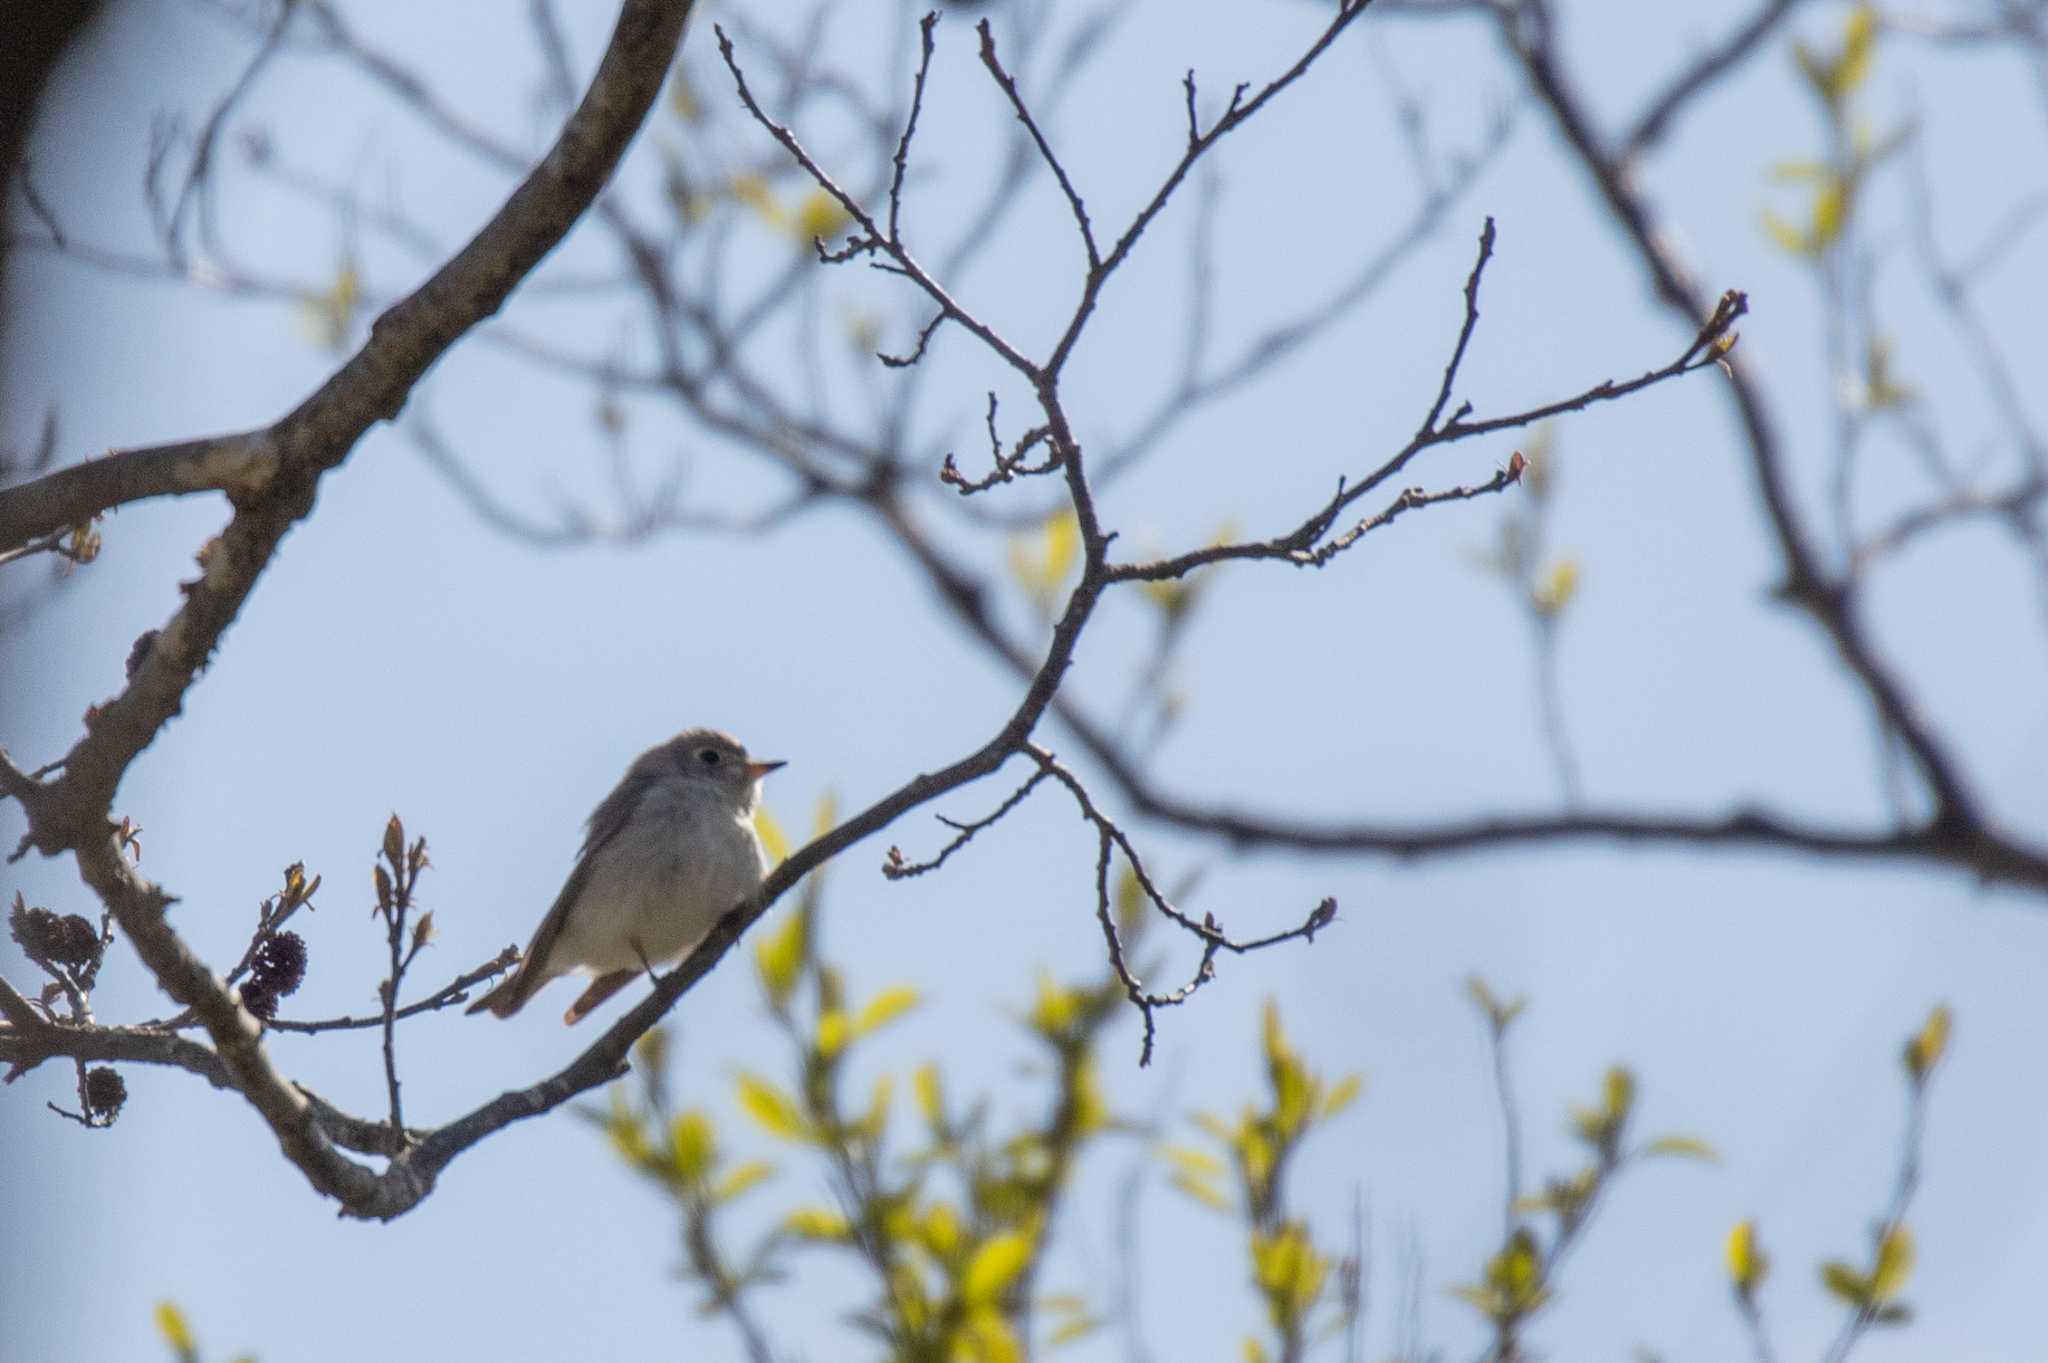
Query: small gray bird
point(666, 855)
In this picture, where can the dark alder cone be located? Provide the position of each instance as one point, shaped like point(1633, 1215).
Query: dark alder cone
point(78, 942)
point(67, 940)
point(259, 1000)
point(279, 966)
point(105, 1092)
point(35, 929)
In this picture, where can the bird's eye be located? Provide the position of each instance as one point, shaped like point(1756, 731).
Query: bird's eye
point(708, 756)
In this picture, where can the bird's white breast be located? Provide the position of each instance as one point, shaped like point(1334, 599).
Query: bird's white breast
point(659, 884)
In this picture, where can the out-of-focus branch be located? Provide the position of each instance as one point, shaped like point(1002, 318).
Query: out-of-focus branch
point(1956, 824)
point(1709, 67)
point(195, 190)
point(637, 520)
point(2017, 504)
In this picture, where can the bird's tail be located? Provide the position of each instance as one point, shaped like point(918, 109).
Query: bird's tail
point(510, 995)
point(601, 988)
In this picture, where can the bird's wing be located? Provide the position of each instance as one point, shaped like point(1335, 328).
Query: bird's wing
point(610, 816)
point(616, 808)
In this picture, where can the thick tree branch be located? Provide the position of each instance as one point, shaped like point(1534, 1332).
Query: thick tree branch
point(239, 464)
point(370, 387)
point(71, 813)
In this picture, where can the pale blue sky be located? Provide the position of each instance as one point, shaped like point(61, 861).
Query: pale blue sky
point(400, 656)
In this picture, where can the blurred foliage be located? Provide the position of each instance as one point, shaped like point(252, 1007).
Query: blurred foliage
point(1309, 1293)
point(327, 317)
point(1044, 561)
point(177, 1335)
point(946, 1211)
point(1835, 181)
point(1835, 184)
point(1545, 580)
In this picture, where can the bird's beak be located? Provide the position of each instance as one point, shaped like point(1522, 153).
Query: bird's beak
point(757, 770)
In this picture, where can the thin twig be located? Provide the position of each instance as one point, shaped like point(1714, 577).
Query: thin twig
point(896, 868)
point(1008, 85)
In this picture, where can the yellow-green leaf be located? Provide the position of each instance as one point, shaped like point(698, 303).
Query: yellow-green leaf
point(1076, 1327)
point(1289, 1272)
point(753, 192)
point(994, 1266)
point(885, 1008)
point(987, 1338)
point(1830, 213)
point(1062, 537)
point(1343, 1095)
point(1499, 1012)
point(1040, 562)
point(682, 100)
point(1516, 1270)
point(878, 1106)
point(1552, 592)
point(626, 1131)
point(773, 840)
point(1929, 1044)
point(833, 1031)
point(1846, 1283)
point(817, 1223)
point(939, 1231)
point(1618, 1092)
point(931, 1097)
point(774, 1109)
point(1254, 1155)
point(170, 1323)
point(1133, 907)
point(1484, 1298)
point(650, 1052)
point(1198, 1163)
point(1273, 1036)
point(1202, 1192)
point(779, 957)
point(328, 315)
point(1254, 1352)
point(818, 217)
point(1787, 237)
point(1894, 1265)
point(742, 1177)
point(1747, 1262)
point(1683, 1147)
point(1859, 49)
point(1056, 1006)
point(1802, 170)
point(692, 1145)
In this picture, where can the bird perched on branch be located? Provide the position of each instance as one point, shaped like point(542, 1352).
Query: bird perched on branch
point(667, 853)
